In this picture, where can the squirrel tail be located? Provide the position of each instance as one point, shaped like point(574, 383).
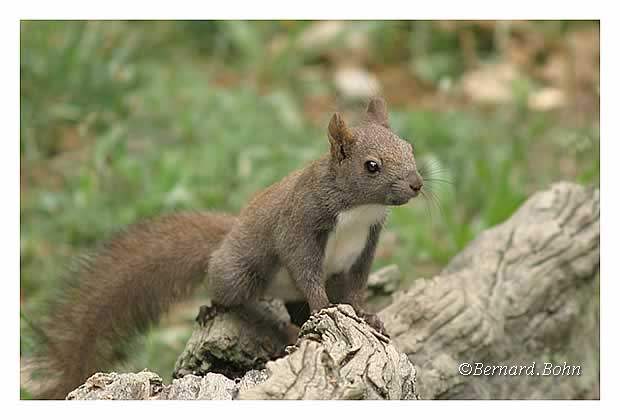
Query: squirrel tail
point(122, 289)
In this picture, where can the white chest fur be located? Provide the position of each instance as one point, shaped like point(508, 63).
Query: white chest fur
point(344, 245)
point(347, 240)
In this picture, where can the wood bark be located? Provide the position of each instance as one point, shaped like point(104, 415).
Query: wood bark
point(524, 292)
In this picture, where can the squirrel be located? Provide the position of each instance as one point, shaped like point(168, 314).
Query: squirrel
point(310, 236)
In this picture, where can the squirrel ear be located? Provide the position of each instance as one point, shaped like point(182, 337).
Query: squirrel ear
point(377, 112)
point(340, 137)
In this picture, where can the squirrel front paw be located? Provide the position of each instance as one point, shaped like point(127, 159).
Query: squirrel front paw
point(208, 312)
point(374, 321)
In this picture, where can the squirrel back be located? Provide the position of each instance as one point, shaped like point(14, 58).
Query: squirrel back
point(122, 289)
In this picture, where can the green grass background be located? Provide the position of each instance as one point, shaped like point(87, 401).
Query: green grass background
point(124, 120)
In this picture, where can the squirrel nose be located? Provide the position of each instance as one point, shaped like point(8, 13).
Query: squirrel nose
point(415, 182)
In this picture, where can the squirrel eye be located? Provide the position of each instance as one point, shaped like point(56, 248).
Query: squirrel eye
point(372, 166)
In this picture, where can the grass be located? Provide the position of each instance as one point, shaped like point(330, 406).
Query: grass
point(123, 120)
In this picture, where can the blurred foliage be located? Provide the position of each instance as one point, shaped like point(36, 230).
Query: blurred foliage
point(123, 120)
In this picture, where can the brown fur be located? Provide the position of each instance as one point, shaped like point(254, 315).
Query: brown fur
point(122, 289)
point(139, 273)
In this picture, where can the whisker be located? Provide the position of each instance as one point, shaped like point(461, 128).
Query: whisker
point(441, 180)
point(427, 204)
point(431, 167)
point(432, 171)
point(434, 199)
point(436, 178)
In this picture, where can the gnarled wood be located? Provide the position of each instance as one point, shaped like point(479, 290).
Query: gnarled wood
point(338, 356)
point(232, 343)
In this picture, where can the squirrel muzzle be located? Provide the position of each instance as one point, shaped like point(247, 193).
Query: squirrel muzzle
point(405, 189)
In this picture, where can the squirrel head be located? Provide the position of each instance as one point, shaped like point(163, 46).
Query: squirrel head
point(370, 161)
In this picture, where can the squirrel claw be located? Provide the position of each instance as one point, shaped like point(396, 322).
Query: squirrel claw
point(374, 321)
point(208, 312)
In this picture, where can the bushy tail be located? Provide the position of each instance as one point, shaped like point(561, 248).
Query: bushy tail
point(122, 289)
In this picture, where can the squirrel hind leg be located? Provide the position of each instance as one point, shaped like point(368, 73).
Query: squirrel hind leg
point(228, 286)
